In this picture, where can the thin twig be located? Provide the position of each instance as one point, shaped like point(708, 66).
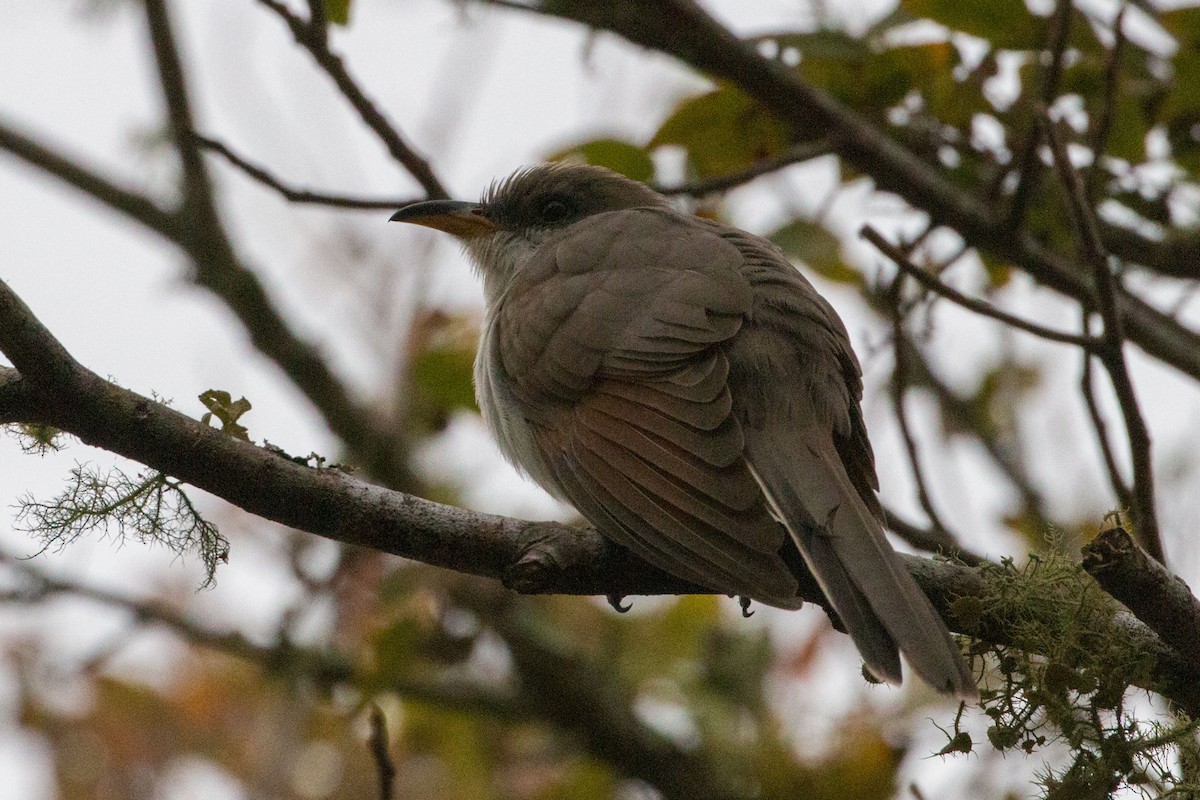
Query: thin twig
point(378, 743)
point(899, 388)
point(1112, 355)
point(931, 540)
point(1029, 166)
point(292, 194)
point(312, 37)
point(382, 451)
point(1102, 128)
point(978, 306)
point(804, 151)
point(1086, 387)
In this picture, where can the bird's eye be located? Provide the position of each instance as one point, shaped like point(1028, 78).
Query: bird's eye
point(554, 211)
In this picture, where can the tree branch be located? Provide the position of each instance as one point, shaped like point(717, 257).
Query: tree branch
point(1154, 595)
point(529, 557)
point(803, 151)
point(934, 285)
point(137, 207)
point(292, 194)
point(310, 34)
point(682, 29)
point(196, 228)
point(1112, 355)
point(1030, 170)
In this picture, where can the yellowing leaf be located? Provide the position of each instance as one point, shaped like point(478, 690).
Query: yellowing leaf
point(220, 404)
point(805, 240)
point(337, 11)
point(723, 131)
point(1007, 24)
point(619, 156)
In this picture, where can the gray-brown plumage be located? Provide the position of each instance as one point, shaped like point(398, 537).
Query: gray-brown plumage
point(686, 389)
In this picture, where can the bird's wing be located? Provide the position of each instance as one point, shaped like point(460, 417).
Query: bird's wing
point(806, 444)
point(610, 341)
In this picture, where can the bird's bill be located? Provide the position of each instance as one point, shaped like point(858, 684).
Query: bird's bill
point(462, 219)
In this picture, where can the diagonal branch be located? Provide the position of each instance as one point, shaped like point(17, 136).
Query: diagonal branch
point(980, 307)
point(135, 206)
point(803, 151)
point(311, 35)
point(290, 193)
point(529, 557)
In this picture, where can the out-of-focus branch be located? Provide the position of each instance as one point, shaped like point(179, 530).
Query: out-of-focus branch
point(804, 151)
point(291, 194)
point(1030, 168)
point(134, 206)
point(323, 667)
point(1088, 390)
point(1112, 356)
point(529, 557)
point(196, 228)
point(898, 389)
point(578, 696)
point(931, 540)
point(1154, 595)
point(385, 768)
point(311, 35)
point(1101, 129)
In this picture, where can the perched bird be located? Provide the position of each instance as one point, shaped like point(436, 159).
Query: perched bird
point(684, 387)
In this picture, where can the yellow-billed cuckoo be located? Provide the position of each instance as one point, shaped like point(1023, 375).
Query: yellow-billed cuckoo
point(681, 384)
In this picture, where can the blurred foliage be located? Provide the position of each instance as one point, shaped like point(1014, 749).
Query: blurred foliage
point(337, 11)
point(619, 156)
point(722, 131)
point(441, 351)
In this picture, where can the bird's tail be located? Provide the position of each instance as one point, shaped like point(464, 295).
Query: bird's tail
point(845, 548)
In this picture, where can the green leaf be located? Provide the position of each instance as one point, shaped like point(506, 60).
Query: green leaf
point(337, 11)
point(1007, 24)
point(619, 156)
point(1183, 24)
point(805, 240)
point(220, 404)
point(723, 131)
point(442, 359)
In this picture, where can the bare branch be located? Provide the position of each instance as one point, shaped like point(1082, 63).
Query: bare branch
point(932, 540)
point(378, 743)
point(1088, 390)
point(1154, 595)
point(899, 388)
point(804, 151)
point(312, 37)
point(137, 207)
point(1030, 167)
point(1102, 128)
point(1087, 232)
point(684, 30)
point(291, 194)
point(934, 285)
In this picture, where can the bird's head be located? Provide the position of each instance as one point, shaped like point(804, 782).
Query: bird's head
point(516, 215)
